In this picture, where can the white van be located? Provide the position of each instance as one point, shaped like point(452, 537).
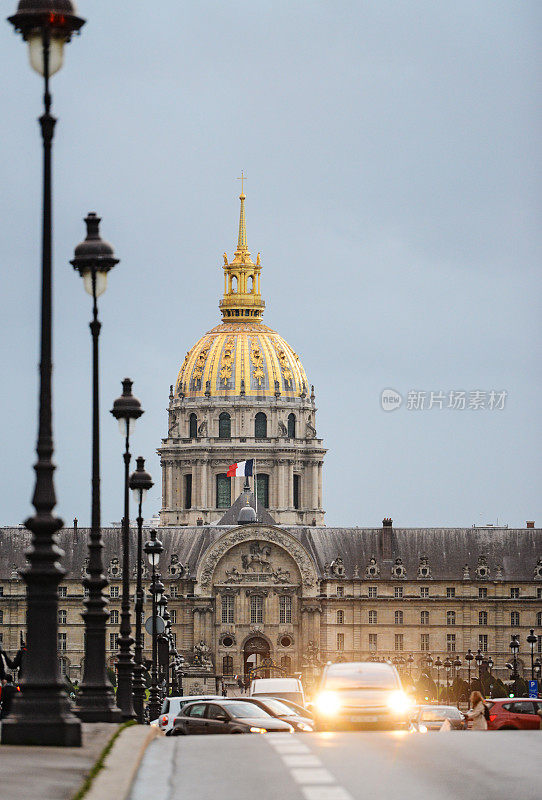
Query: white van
point(287, 688)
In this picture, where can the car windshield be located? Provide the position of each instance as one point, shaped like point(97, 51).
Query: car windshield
point(347, 681)
point(440, 714)
point(277, 707)
point(250, 710)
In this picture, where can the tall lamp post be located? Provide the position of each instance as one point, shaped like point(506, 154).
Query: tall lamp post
point(532, 639)
point(479, 660)
point(42, 715)
point(514, 647)
point(469, 659)
point(438, 665)
point(126, 410)
point(153, 550)
point(93, 259)
point(457, 666)
point(140, 483)
point(448, 666)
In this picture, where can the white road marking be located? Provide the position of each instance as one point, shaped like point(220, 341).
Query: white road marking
point(326, 793)
point(312, 776)
point(292, 748)
point(302, 761)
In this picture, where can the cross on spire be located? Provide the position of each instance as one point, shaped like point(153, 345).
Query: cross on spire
point(242, 179)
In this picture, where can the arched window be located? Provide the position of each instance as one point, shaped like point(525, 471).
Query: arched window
point(297, 491)
point(223, 491)
point(234, 283)
point(193, 426)
point(424, 618)
point(262, 489)
point(372, 618)
point(286, 663)
point(398, 617)
point(291, 426)
point(340, 617)
point(227, 665)
point(260, 425)
point(224, 426)
point(450, 618)
point(482, 618)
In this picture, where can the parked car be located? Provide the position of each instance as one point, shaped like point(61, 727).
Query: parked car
point(433, 718)
point(227, 716)
point(171, 708)
point(303, 711)
point(361, 695)
point(283, 688)
point(280, 710)
point(514, 714)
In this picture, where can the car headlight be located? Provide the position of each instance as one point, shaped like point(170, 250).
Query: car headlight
point(399, 702)
point(302, 726)
point(328, 703)
point(258, 730)
point(422, 728)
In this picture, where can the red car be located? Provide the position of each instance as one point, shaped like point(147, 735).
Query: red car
point(514, 714)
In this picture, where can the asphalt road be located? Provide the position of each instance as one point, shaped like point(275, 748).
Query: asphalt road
point(344, 766)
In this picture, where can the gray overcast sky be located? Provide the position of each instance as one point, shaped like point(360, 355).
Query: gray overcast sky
point(393, 158)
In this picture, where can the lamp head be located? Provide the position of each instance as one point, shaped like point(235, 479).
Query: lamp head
point(37, 19)
point(140, 480)
point(94, 256)
point(126, 408)
point(153, 549)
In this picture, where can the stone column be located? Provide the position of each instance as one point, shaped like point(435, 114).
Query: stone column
point(315, 485)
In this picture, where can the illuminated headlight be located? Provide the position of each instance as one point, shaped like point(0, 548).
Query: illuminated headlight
point(399, 702)
point(302, 726)
point(422, 728)
point(258, 730)
point(328, 703)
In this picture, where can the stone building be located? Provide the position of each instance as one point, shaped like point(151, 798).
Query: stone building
point(241, 393)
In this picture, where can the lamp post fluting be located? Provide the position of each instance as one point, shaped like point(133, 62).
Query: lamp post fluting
point(42, 714)
point(140, 483)
point(153, 550)
point(126, 410)
point(532, 639)
point(93, 259)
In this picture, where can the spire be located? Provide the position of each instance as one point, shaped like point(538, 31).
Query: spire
point(242, 299)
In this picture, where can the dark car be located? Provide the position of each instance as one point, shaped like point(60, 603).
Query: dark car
point(227, 716)
point(514, 714)
point(432, 718)
point(303, 711)
point(280, 710)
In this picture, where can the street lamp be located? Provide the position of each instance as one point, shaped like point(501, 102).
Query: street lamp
point(537, 669)
point(126, 410)
point(153, 550)
point(532, 640)
point(479, 659)
point(514, 647)
point(140, 483)
point(438, 665)
point(410, 661)
point(93, 258)
point(457, 666)
point(490, 664)
point(469, 658)
point(448, 666)
point(42, 714)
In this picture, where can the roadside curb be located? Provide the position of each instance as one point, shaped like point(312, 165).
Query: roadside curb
point(120, 767)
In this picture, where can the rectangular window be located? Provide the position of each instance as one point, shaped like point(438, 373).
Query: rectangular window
point(227, 608)
point(372, 617)
point(113, 641)
point(340, 617)
point(514, 619)
point(340, 591)
point(399, 641)
point(539, 594)
point(256, 609)
point(450, 591)
point(173, 590)
point(539, 645)
point(86, 591)
point(340, 641)
point(62, 591)
point(482, 593)
point(514, 593)
point(373, 642)
point(227, 665)
point(1, 591)
point(173, 616)
point(174, 639)
point(424, 642)
point(1, 617)
point(223, 491)
point(482, 642)
point(450, 642)
point(114, 616)
point(424, 591)
point(372, 591)
point(61, 616)
point(188, 491)
point(2, 639)
point(62, 641)
point(114, 591)
point(285, 609)
point(398, 591)
point(297, 482)
point(424, 618)
point(262, 490)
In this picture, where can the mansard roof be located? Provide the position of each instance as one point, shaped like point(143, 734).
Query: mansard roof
point(508, 554)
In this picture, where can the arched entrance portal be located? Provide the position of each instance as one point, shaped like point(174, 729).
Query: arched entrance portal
point(256, 649)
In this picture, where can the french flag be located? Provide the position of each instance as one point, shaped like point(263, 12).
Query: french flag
point(241, 468)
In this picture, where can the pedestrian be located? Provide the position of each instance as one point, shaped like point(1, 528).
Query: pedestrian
point(224, 691)
point(241, 684)
point(8, 692)
point(478, 713)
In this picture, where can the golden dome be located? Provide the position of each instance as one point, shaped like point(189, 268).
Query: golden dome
point(242, 356)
